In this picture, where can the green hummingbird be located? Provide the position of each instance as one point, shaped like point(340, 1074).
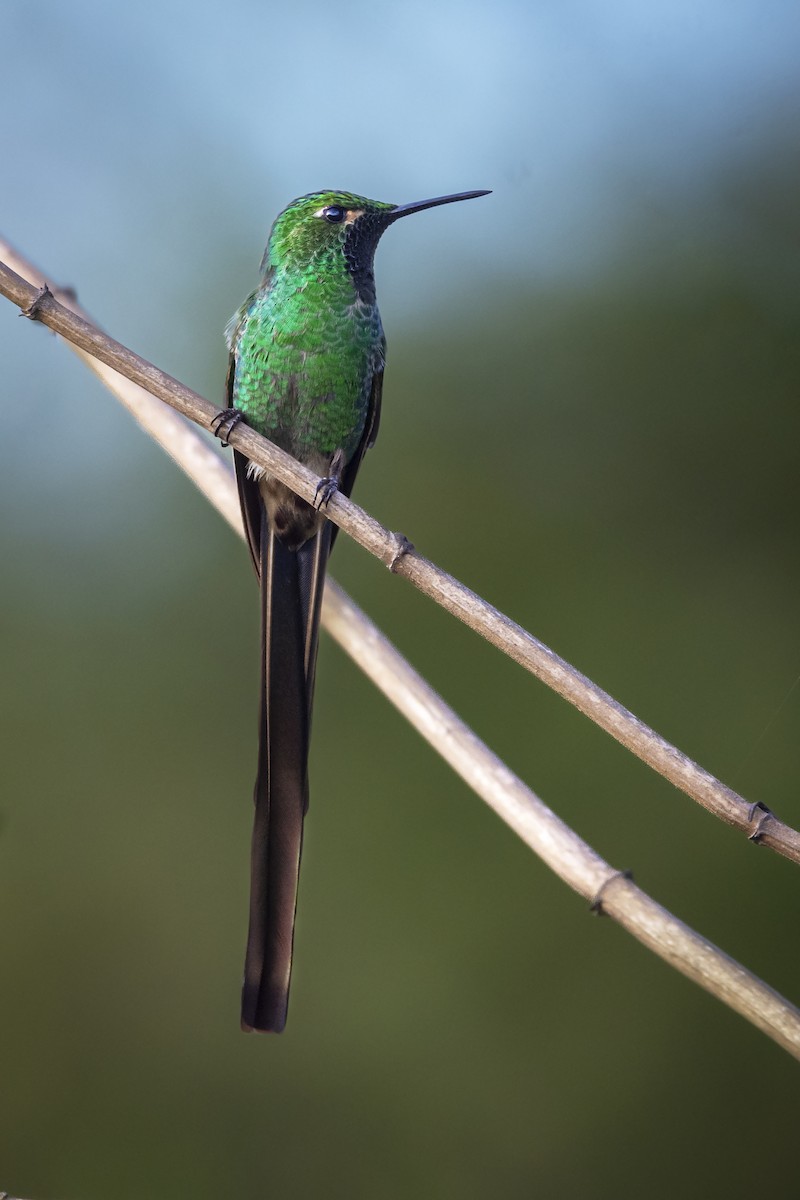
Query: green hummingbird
point(307, 353)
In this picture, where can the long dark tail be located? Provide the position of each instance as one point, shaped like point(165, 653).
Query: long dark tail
point(291, 593)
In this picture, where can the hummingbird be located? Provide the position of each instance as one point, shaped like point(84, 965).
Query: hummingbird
point(307, 354)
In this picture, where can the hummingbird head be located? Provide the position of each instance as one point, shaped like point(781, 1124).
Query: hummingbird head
point(328, 232)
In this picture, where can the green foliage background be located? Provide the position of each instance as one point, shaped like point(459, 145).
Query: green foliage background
point(608, 456)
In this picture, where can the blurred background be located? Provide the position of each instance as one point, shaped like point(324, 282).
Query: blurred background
point(590, 416)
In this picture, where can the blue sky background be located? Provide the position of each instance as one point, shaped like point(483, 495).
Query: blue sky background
point(148, 148)
point(176, 129)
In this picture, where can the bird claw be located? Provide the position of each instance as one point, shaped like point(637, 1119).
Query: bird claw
point(224, 423)
point(326, 489)
point(328, 486)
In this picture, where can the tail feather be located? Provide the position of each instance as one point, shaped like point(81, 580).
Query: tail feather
point(291, 591)
point(313, 564)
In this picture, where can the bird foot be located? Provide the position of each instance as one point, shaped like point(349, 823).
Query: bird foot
point(328, 487)
point(325, 491)
point(224, 423)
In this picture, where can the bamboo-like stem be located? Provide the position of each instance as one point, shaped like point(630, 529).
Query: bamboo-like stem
point(760, 825)
point(610, 891)
point(572, 859)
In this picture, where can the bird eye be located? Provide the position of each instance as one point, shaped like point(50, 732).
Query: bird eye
point(334, 214)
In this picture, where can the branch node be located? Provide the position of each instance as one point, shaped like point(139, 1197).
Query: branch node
point(764, 815)
point(32, 311)
point(596, 905)
point(399, 548)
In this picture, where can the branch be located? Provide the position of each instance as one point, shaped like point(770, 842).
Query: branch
point(611, 892)
point(760, 825)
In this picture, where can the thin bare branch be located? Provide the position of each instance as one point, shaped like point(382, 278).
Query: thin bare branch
point(754, 820)
point(207, 469)
point(572, 859)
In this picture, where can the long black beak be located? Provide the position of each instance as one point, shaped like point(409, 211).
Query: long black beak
point(404, 210)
